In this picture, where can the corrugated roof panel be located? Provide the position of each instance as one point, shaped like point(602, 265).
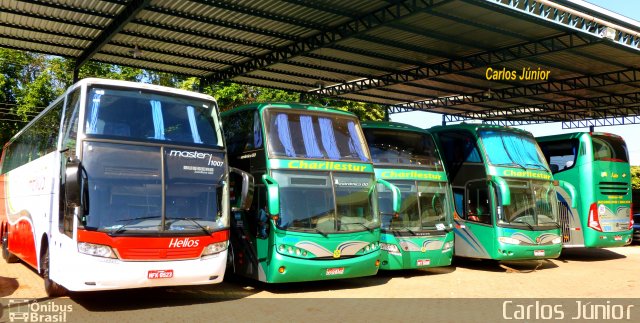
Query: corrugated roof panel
point(210, 28)
point(41, 37)
point(160, 58)
point(51, 11)
point(342, 63)
point(265, 83)
point(173, 36)
point(37, 47)
point(148, 65)
point(235, 17)
point(176, 50)
point(313, 73)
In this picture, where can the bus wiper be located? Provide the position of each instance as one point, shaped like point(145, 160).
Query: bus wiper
point(551, 222)
point(409, 230)
point(529, 225)
point(128, 222)
point(362, 224)
point(324, 234)
point(193, 220)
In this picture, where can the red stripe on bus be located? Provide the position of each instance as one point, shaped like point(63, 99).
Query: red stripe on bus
point(154, 248)
point(22, 243)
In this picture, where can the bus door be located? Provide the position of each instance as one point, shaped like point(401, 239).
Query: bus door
point(474, 229)
point(250, 236)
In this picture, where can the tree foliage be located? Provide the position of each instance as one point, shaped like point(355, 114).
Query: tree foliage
point(30, 81)
point(635, 177)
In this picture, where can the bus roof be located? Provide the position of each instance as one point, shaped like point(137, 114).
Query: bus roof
point(574, 135)
point(391, 126)
point(142, 86)
point(473, 127)
point(286, 105)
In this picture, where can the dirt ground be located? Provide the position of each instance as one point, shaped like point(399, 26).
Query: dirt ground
point(585, 273)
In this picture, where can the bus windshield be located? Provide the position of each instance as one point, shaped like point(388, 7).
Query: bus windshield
point(139, 115)
point(425, 207)
point(608, 148)
point(304, 134)
point(506, 148)
point(125, 190)
point(326, 202)
point(402, 147)
point(533, 203)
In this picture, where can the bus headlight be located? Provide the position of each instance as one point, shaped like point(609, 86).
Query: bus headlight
point(215, 248)
point(557, 240)
point(447, 246)
point(97, 250)
point(508, 240)
point(391, 248)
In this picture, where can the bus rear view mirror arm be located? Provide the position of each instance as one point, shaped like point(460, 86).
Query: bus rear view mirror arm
point(502, 188)
point(273, 195)
point(246, 196)
point(395, 191)
point(569, 188)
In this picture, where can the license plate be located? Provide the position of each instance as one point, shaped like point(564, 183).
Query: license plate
point(158, 274)
point(423, 262)
point(538, 253)
point(617, 238)
point(335, 271)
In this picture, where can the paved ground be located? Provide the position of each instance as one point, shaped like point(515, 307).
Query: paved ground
point(579, 273)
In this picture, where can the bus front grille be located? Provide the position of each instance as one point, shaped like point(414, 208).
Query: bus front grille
point(563, 218)
point(614, 188)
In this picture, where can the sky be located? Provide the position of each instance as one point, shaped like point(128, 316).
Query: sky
point(628, 8)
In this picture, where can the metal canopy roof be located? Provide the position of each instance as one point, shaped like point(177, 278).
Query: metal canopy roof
point(428, 55)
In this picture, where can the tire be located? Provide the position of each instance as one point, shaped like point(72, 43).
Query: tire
point(52, 288)
point(6, 254)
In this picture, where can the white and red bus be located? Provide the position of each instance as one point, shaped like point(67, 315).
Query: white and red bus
point(120, 185)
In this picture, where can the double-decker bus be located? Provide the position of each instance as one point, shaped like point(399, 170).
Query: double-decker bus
point(314, 214)
point(504, 195)
point(597, 164)
point(119, 185)
point(420, 235)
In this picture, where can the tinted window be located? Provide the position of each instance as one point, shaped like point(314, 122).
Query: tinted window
point(560, 155)
point(305, 134)
point(143, 115)
point(607, 148)
point(402, 147)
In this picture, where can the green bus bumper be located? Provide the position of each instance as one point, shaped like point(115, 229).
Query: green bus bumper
point(299, 270)
point(597, 239)
point(415, 260)
point(527, 252)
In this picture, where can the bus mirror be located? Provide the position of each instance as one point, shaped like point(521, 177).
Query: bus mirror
point(246, 195)
point(273, 195)
point(395, 191)
point(503, 189)
point(73, 182)
point(573, 194)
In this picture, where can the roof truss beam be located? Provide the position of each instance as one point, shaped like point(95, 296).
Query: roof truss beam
point(483, 59)
point(325, 38)
point(117, 23)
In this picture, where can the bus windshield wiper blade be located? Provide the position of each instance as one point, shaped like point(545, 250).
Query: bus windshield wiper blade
point(193, 220)
point(128, 222)
point(324, 234)
point(551, 222)
point(529, 225)
point(370, 229)
point(408, 230)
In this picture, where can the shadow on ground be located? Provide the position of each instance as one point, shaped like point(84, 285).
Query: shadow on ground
point(521, 266)
point(8, 286)
point(588, 254)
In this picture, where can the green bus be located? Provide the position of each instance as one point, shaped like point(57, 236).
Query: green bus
point(597, 164)
point(421, 234)
point(314, 216)
point(504, 195)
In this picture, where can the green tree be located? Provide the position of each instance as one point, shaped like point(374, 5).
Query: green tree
point(635, 177)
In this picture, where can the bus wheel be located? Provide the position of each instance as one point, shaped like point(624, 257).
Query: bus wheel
point(231, 266)
point(52, 288)
point(6, 254)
